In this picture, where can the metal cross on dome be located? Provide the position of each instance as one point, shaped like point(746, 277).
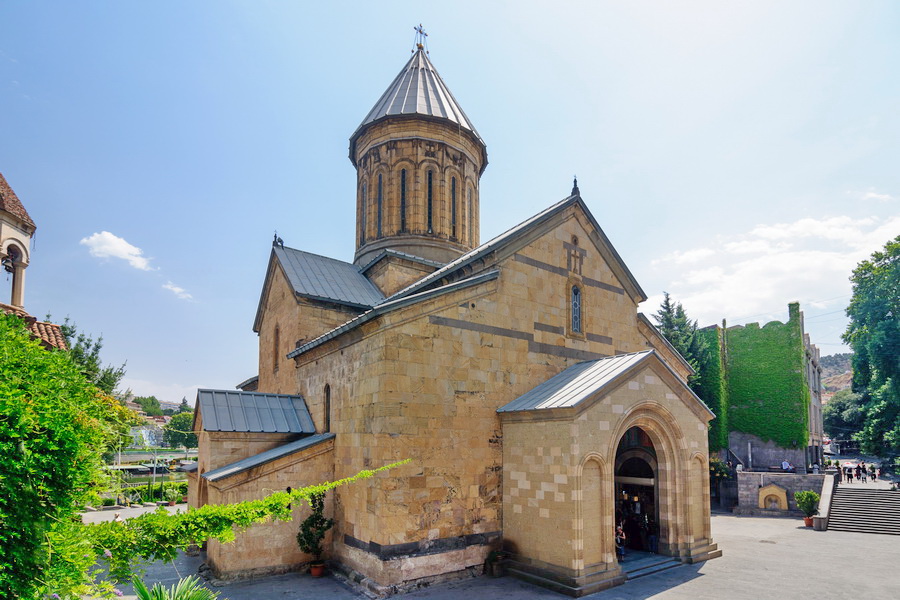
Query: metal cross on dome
point(420, 39)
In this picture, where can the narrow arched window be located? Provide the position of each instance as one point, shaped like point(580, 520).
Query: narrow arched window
point(327, 408)
point(471, 220)
point(576, 309)
point(276, 342)
point(380, 198)
point(453, 207)
point(403, 200)
point(362, 216)
point(428, 207)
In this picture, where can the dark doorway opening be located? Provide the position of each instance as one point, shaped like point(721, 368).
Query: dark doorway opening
point(636, 491)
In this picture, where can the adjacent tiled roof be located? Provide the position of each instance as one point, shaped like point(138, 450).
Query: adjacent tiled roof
point(228, 410)
point(264, 457)
point(11, 203)
point(584, 380)
point(49, 334)
point(322, 278)
point(418, 90)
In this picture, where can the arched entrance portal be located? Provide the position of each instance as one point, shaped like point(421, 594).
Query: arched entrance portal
point(637, 490)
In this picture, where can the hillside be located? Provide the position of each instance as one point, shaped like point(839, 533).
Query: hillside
point(835, 364)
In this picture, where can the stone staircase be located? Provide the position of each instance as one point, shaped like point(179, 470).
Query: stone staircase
point(647, 564)
point(865, 510)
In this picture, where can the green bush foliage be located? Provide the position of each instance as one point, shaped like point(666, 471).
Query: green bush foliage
point(54, 425)
point(314, 527)
point(807, 502)
point(712, 385)
point(768, 394)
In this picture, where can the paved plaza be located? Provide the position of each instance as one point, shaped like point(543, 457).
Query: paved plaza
point(762, 558)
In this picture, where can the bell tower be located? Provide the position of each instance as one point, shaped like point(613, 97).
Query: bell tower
point(418, 165)
point(16, 230)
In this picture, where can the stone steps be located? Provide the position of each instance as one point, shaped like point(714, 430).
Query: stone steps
point(865, 511)
point(649, 566)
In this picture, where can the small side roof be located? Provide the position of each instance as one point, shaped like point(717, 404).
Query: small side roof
point(10, 203)
point(323, 278)
point(264, 457)
point(253, 412)
point(582, 381)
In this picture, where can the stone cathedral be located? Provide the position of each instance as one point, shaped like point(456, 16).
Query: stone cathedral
point(537, 407)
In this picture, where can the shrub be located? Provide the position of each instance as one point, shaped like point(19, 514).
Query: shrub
point(807, 502)
point(314, 527)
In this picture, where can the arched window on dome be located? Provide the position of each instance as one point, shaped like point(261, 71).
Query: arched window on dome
point(403, 200)
point(429, 199)
point(471, 214)
point(380, 199)
point(576, 309)
point(453, 207)
point(362, 215)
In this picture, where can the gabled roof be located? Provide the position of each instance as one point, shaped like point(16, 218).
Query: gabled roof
point(323, 278)
point(10, 203)
point(320, 278)
point(264, 457)
point(584, 380)
point(253, 412)
point(418, 90)
point(447, 277)
point(386, 307)
point(511, 235)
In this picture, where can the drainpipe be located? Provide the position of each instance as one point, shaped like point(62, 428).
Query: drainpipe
point(750, 454)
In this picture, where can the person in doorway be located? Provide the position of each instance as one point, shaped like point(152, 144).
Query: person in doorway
point(620, 542)
point(653, 536)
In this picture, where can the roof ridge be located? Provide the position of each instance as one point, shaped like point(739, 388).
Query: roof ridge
point(477, 251)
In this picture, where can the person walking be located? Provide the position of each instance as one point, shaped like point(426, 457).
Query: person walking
point(858, 471)
point(864, 475)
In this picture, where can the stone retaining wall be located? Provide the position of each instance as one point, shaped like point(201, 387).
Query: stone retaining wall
point(749, 484)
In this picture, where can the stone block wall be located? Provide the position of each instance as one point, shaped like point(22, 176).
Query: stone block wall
point(749, 485)
point(269, 548)
point(765, 454)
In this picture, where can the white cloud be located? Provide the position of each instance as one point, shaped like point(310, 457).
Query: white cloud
point(688, 256)
point(107, 245)
point(178, 291)
point(753, 276)
point(871, 194)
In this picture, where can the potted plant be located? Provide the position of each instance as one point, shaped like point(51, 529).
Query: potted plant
point(172, 495)
point(808, 503)
point(312, 532)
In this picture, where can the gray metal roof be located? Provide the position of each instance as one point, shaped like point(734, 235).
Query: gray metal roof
point(323, 278)
point(418, 90)
point(577, 383)
point(230, 410)
point(393, 305)
point(268, 456)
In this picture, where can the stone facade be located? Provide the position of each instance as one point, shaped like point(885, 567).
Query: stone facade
point(422, 375)
point(749, 485)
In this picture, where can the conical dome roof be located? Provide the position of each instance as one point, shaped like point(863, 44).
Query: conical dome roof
point(418, 90)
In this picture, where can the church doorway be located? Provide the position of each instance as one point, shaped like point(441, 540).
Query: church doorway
point(637, 490)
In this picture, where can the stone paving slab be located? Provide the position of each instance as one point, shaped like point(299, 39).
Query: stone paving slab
point(762, 558)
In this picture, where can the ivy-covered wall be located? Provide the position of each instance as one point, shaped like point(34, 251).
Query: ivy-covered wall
point(766, 381)
point(713, 386)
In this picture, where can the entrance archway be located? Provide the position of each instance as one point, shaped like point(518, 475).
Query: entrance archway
point(637, 490)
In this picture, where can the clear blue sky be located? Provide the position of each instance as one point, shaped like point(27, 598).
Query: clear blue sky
point(740, 155)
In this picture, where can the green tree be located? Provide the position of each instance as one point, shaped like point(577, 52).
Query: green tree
point(843, 415)
point(673, 322)
point(53, 425)
point(178, 433)
point(150, 405)
point(84, 350)
point(874, 335)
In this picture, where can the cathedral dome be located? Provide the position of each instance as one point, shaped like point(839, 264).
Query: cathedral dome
point(419, 160)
